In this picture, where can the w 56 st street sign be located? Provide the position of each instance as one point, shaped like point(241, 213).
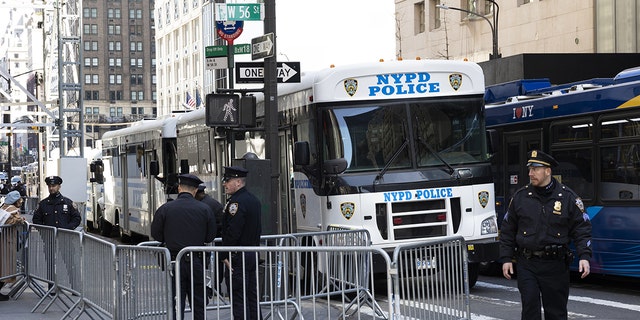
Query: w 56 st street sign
point(239, 11)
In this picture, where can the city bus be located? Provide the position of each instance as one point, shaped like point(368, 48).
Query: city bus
point(592, 128)
point(137, 163)
point(397, 148)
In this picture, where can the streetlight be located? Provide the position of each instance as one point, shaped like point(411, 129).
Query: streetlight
point(493, 25)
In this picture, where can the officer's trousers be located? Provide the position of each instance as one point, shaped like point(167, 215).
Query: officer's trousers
point(547, 278)
point(186, 276)
point(243, 286)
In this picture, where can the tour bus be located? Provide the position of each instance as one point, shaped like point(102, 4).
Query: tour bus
point(592, 128)
point(397, 148)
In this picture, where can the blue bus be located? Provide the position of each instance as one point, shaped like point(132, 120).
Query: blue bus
point(592, 128)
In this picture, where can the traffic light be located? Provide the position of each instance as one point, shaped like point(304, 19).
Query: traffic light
point(222, 110)
point(248, 111)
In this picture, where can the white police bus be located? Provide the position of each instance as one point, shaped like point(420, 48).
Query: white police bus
point(396, 148)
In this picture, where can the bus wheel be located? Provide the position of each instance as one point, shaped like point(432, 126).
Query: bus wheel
point(105, 227)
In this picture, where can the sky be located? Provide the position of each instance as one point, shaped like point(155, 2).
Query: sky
point(339, 32)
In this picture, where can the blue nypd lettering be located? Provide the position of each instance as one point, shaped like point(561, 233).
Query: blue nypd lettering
point(403, 84)
point(302, 184)
point(435, 193)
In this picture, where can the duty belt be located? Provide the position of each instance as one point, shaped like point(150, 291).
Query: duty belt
point(551, 252)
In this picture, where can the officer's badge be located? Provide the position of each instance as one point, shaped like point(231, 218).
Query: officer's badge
point(303, 205)
point(233, 208)
point(351, 86)
point(580, 205)
point(483, 198)
point(557, 207)
point(534, 154)
point(347, 209)
point(455, 80)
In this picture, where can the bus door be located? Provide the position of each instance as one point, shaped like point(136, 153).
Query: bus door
point(516, 175)
point(123, 213)
point(152, 192)
point(286, 223)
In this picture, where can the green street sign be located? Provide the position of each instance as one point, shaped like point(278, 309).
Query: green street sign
point(244, 48)
point(215, 51)
point(239, 11)
point(222, 51)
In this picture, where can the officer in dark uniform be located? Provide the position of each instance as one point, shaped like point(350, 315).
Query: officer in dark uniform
point(182, 223)
point(542, 218)
point(215, 206)
point(241, 227)
point(56, 210)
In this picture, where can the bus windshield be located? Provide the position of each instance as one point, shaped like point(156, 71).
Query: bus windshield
point(405, 135)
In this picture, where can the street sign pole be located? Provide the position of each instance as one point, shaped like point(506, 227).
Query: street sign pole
point(271, 116)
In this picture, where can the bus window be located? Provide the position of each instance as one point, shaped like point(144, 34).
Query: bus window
point(575, 171)
point(620, 172)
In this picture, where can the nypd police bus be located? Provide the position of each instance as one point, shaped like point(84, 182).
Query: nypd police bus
point(397, 148)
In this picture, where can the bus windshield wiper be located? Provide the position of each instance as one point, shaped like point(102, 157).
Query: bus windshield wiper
point(450, 169)
point(391, 161)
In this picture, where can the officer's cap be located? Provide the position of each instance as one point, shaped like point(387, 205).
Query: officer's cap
point(51, 180)
point(189, 180)
point(234, 172)
point(538, 158)
point(201, 187)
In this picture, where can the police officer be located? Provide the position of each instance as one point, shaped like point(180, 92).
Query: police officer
point(541, 220)
point(56, 210)
point(215, 206)
point(241, 227)
point(182, 223)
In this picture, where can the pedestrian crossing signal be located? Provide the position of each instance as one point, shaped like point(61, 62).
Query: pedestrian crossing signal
point(222, 110)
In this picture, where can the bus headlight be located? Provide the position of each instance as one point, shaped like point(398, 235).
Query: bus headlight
point(488, 226)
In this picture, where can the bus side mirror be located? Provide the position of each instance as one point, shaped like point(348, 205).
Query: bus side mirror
point(301, 153)
point(154, 168)
point(97, 168)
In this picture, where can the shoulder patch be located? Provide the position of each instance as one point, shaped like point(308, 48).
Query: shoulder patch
point(233, 208)
point(580, 205)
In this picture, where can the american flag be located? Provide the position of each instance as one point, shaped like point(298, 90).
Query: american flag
point(190, 101)
point(198, 99)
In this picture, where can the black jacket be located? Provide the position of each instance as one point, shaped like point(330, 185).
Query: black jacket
point(182, 223)
point(242, 220)
point(535, 220)
point(58, 211)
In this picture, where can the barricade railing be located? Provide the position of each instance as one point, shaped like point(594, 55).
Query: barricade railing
point(425, 281)
point(285, 303)
point(13, 252)
point(144, 283)
point(431, 280)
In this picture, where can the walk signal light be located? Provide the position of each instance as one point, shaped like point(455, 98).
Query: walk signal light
point(222, 110)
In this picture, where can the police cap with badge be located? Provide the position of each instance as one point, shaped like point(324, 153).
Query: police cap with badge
point(538, 158)
point(234, 172)
point(53, 180)
point(189, 180)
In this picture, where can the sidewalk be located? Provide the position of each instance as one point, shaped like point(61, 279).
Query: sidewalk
point(21, 308)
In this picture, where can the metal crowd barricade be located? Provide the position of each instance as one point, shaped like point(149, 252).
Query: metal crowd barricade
point(13, 252)
point(285, 302)
point(41, 262)
point(331, 275)
point(431, 280)
point(144, 283)
point(98, 278)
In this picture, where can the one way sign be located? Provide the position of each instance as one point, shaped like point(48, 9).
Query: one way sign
point(253, 72)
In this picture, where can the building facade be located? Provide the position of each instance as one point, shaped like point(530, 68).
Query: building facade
point(462, 29)
point(119, 64)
